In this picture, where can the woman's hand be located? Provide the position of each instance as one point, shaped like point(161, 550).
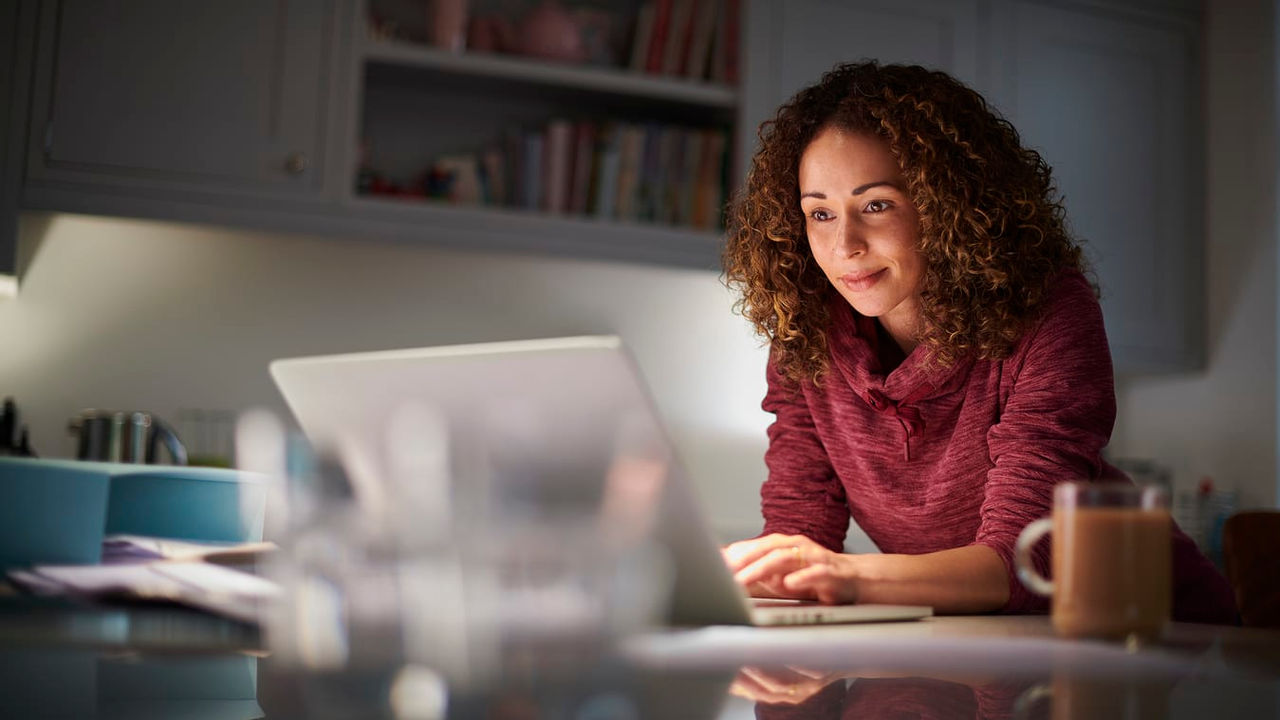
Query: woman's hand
point(793, 566)
point(785, 686)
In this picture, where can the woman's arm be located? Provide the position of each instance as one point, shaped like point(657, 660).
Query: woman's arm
point(969, 579)
point(802, 495)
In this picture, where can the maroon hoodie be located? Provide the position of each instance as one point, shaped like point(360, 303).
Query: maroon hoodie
point(927, 458)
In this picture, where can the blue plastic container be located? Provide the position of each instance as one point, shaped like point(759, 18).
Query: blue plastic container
point(57, 511)
point(51, 512)
point(191, 503)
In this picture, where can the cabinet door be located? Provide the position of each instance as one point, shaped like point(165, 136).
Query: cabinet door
point(791, 44)
point(225, 95)
point(17, 40)
point(1112, 103)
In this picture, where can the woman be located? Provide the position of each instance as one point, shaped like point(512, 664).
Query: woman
point(937, 358)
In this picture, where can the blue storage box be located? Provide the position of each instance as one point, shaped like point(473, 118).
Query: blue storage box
point(191, 503)
point(57, 511)
point(51, 512)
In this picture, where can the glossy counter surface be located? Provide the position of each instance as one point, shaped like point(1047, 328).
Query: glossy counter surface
point(59, 659)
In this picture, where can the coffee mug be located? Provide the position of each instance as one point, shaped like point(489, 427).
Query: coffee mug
point(1111, 560)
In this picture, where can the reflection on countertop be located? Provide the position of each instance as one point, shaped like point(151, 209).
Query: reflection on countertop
point(64, 660)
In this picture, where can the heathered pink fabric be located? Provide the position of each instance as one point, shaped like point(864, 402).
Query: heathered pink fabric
point(928, 459)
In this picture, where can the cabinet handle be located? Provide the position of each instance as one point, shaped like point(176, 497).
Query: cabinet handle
point(296, 163)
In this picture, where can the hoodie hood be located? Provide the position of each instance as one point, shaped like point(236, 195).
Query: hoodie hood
point(854, 343)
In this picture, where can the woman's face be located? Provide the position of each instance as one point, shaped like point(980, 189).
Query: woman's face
point(863, 229)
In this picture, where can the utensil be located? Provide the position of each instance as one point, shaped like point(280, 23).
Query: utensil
point(124, 436)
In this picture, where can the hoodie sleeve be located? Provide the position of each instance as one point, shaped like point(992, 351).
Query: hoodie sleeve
point(1058, 407)
point(802, 495)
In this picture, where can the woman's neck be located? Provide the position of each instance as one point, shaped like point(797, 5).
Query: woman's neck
point(902, 330)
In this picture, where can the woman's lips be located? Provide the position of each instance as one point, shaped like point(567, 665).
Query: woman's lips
point(859, 281)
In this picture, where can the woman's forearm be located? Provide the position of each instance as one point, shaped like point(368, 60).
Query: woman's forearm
point(968, 579)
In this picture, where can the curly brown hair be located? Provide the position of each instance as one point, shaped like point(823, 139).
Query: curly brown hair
point(992, 229)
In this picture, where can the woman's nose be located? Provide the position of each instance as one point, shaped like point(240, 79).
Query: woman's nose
point(852, 240)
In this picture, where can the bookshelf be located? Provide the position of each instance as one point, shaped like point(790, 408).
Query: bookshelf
point(607, 80)
point(629, 163)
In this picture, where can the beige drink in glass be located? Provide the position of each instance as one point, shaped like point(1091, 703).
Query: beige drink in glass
point(1111, 560)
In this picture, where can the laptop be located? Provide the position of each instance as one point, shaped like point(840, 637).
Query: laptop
point(552, 426)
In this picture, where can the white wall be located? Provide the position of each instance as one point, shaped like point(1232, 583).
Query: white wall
point(1221, 423)
point(127, 314)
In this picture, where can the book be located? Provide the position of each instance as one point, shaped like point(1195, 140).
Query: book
point(557, 166)
point(513, 167)
point(733, 29)
point(650, 181)
point(609, 151)
point(584, 159)
point(630, 157)
point(691, 156)
point(724, 55)
point(670, 147)
point(534, 144)
point(716, 154)
point(678, 37)
point(704, 32)
point(658, 39)
point(642, 37)
point(709, 193)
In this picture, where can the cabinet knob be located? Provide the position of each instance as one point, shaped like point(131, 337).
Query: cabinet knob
point(296, 163)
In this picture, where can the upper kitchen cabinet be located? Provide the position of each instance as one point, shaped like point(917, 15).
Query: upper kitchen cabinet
point(1107, 91)
point(181, 98)
point(795, 42)
point(585, 128)
point(1111, 99)
point(17, 23)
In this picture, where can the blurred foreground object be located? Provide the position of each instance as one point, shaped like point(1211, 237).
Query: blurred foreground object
point(408, 553)
point(1251, 551)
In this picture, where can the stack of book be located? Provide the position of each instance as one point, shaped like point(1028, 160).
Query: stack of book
point(666, 174)
point(695, 39)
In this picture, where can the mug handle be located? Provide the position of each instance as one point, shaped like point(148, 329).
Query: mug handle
point(1027, 539)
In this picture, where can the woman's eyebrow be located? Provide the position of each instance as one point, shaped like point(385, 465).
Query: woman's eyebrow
point(863, 188)
point(856, 191)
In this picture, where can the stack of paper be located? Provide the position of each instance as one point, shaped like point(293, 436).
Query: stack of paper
point(159, 569)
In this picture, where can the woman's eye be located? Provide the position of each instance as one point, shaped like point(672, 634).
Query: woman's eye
point(876, 206)
point(820, 215)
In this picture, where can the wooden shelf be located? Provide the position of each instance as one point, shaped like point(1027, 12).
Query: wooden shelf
point(591, 78)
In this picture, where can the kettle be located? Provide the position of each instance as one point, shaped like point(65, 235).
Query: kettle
point(130, 436)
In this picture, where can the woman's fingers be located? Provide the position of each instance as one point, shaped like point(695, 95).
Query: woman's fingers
point(743, 553)
point(777, 562)
point(766, 565)
point(823, 581)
